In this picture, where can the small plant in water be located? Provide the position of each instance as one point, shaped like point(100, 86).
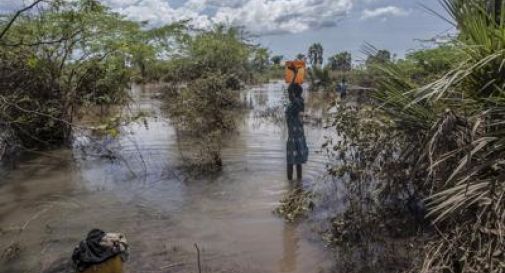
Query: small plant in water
point(296, 204)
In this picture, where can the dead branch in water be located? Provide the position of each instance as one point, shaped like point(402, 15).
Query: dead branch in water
point(172, 265)
point(198, 259)
point(34, 217)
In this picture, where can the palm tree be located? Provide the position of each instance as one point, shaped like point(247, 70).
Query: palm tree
point(458, 121)
point(315, 54)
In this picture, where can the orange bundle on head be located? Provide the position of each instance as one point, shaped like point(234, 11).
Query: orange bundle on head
point(293, 68)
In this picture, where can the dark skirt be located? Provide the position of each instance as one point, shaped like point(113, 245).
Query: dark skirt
point(297, 150)
point(296, 147)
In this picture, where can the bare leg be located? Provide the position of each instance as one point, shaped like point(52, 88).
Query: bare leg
point(299, 171)
point(290, 171)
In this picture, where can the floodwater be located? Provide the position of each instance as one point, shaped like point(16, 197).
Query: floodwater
point(51, 200)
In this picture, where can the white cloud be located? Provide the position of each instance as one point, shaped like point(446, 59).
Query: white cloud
point(383, 12)
point(158, 12)
point(284, 16)
point(224, 3)
point(261, 17)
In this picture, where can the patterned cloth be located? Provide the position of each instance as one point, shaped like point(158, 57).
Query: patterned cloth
point(296, 148)
point(98, 247)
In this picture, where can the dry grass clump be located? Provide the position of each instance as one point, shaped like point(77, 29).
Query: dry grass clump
point(296, 204)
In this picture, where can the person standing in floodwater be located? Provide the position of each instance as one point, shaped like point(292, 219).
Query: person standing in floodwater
point(296, 147)
point(343, 88)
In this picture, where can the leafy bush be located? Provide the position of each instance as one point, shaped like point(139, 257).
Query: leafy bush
point(204, 79)
point(204, 111)
point(31, 105)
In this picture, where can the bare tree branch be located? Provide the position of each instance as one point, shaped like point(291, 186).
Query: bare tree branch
point(16, 15)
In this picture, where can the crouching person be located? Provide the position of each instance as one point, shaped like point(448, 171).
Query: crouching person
point(101, 252)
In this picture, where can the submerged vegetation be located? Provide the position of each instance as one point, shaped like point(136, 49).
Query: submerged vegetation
point(296, 204)
point(202, 95)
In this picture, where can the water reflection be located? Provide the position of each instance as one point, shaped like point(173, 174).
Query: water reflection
point(290, 241)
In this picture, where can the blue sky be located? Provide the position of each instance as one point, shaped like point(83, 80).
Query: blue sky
point(398, 33)
point(288, 27)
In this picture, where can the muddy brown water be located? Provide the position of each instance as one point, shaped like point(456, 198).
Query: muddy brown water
point(51, 200)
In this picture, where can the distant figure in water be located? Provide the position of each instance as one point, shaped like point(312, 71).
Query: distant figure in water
point(342, 86)
point(297, 150)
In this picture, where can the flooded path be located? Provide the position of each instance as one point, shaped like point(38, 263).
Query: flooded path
point(49, 202)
